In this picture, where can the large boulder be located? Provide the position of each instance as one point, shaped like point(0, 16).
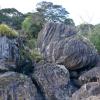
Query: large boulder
point(53, 81)
point(9, 53)
point(14, 86)
point(89, 91)
point(60, 44)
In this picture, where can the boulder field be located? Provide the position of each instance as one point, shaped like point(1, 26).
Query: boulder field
point(70, 69)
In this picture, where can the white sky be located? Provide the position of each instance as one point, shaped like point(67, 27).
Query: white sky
point(80, 10)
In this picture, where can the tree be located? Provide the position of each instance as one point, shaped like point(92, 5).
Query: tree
point(53, 13)
point(92, 33)
point(95, 37)
point(11, 17)
point(69, 21)
point(97, 29)
point(85, 29)
point(33, 24)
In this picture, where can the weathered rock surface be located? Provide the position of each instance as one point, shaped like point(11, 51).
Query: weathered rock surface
point(93, 98)
point(8, 53)
point(14, 86)
point(59, 43)
point(92, 75)
point(53, 81)
point(89, 91)
point(54, 32)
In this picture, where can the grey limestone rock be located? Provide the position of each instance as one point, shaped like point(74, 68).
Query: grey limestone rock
point(53, 81)
point(59, 43)
point(89, 91)
point(9, 53)
point(14, 86)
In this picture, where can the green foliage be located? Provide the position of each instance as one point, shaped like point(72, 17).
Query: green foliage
point(27, 24)
point(31, 43)
point(92, 33)
point(95, 39)
point(53, 13)
point(32, 25)
point(69, 21)
point(97, 29)
point(11, 17)
point(34, 54)
point(29, 51)
point(7, 31)
point(85, 29)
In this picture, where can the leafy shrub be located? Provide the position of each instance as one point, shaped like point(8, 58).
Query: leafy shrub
point(95, 39)
point(32, 25)
point(34, 54)
point(92, 33)
point(95, 36)
point(85, 29)
point(31, 43)
point(29, 51)
point(7, 31)
point(97, 29)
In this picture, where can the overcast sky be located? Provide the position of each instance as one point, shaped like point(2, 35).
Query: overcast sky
point(80, 10)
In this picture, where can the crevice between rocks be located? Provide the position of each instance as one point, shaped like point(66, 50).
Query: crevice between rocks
point(39, 90)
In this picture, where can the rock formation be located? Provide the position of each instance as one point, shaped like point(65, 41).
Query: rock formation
point(88, 91)
point(14, 86)
point(60, 44)
point(69, 70)
point(9, 54)
point(92, 75)
point(53, 81)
